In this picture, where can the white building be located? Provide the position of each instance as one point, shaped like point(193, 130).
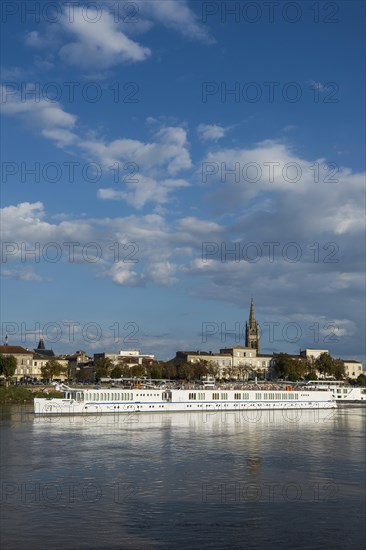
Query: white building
point(127, 358)
point(353, 368)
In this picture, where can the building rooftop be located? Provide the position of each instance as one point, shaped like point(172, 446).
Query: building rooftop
point(17, 350)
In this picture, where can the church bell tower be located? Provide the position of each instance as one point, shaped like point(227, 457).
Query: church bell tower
point(252, 330)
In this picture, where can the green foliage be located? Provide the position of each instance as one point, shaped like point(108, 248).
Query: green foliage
point(8, 364)
point(324, 364)
point(338, 369)
point(290, 368)
point(116, 372)
point(185, 371)
point(137, 371)
point(52, 394)
point(169, 370)
point(52, 368)
point(361, 380)
point(20, 394)
point(103, 367)
point(329, 367)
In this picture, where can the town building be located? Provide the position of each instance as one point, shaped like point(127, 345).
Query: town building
point(219, 362)
point(124, 358)
point(239, 362)
point(24, 358)
point(42, 351)
point(353, 368)
point(247, 359)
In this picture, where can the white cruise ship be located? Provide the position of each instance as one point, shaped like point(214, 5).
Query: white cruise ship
point(343, 392)
point(119, 400)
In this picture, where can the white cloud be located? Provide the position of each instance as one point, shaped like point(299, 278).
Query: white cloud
point(99, 44)
point(307, 198)
point(212, 132)
point(169, 150)
point(98, 40)
point(60, 136)
point(162, 273)
point(21, 274)
point(177, 15)
point(48, 117)
point(123, 274)
point(148, 169)
point(145, 190)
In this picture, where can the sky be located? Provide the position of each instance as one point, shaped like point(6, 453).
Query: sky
point(166, 161)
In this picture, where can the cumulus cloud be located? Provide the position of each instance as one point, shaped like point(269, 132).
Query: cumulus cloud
point(152, 167)
point(211, 132)
point(177, 15)
point(99, 44)
point(49, 118)
point(99, 38)
point(143, 191)
point(297, 196)
point(169, 149)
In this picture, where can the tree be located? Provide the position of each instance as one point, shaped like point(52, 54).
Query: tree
point(103, 367)
point(185, 371)
point(338, 369)
point(361, 379)
point(51, 369)
point(324, 364)
point(311, 375)
point(8, 364)
point(169, 370)
point(213, 369)
point(156, 371)
point(137, 371)
point(83, 374)
point(200, 369)
point(290, 368)
point(116, 372)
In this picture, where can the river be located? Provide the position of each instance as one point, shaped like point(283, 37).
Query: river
point(217, 480)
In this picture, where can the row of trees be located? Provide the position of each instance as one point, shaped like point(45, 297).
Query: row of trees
point(156, 369)
point(296, 369)
point(286, 367)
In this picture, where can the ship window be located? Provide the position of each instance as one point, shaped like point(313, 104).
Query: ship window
point(258, 396)
point(215, 396)
point(245, 395)
point(236, 395)
point(224, 396)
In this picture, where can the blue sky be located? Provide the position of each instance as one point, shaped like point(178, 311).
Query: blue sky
point(140, 145)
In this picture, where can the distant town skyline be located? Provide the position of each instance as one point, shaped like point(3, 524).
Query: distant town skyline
point(165, 162)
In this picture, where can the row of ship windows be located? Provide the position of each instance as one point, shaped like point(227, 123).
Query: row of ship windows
point(114, 396)
point(242, 396)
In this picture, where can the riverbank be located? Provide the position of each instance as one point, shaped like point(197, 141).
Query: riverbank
point(19, 394)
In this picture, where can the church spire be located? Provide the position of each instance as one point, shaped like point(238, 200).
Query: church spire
point(251, 315)
point(252, 335)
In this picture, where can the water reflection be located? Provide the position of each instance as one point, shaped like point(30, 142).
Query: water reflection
point(184, 480)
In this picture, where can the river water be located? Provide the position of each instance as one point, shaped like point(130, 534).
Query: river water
point(217, 480)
